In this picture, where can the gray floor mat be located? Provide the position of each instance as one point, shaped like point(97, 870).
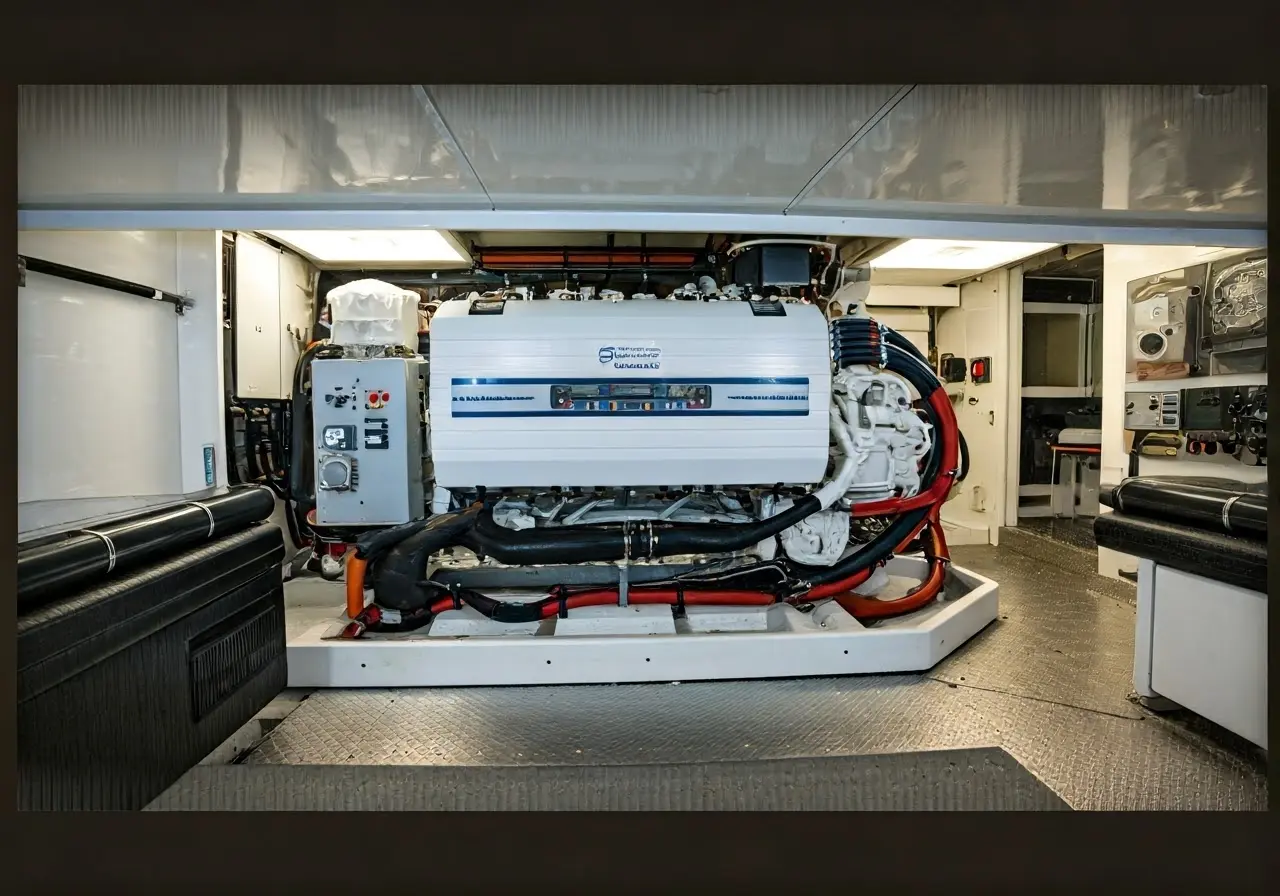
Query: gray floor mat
point(980, 779)
point(1063, 639)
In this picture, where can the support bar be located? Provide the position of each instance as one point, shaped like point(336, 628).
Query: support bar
point(27, 264)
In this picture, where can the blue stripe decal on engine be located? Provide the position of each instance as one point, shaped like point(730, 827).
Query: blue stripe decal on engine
point(666, 381)
point(623, 396)
point(796, 413)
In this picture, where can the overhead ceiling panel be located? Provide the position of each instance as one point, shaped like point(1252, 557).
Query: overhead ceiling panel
point(182, 142)
point(120, 140)
point(741, 148)
point(345, 139)
point(1169, 148)
point(890, 161)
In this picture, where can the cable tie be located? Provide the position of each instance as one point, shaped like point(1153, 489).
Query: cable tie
point(111, 547)
point(208, 513)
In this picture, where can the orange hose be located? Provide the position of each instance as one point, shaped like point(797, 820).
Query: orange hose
point(833, 588)
point(355, 585)
point(935, 549)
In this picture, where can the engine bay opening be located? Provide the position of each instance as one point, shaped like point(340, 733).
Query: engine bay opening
point(617, 421)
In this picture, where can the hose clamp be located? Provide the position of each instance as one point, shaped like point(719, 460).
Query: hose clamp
point(208, 513)
point(111, 547)
point(1117, 495)
point(798, 588)
point(1226, 512)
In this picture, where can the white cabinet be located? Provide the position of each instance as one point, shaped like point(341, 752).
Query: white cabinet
point(273, 314)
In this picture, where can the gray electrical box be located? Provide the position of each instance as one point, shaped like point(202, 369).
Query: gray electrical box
point(369, 418)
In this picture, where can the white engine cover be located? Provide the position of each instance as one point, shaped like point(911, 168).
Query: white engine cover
point(551, 393)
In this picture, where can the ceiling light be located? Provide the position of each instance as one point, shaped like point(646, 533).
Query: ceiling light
point(945, 255)
point(371, 246)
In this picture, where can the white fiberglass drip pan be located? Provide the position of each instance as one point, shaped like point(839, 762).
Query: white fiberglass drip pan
point(608, 645)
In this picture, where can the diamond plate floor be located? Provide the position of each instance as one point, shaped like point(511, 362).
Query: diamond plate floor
point(1048, 683)
point(982, 779)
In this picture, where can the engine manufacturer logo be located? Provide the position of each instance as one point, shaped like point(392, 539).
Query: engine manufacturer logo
point(630, 357)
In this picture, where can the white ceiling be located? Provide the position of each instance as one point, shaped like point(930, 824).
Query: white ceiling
point(919, 150)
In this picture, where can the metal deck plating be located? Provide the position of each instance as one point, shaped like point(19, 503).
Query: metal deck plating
point(607, 645)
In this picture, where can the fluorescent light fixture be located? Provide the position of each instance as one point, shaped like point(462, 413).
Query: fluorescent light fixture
point(946, 255)
point(426, 247)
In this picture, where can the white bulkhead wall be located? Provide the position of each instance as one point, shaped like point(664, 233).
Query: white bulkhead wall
point(117, 395)
point(979, 328)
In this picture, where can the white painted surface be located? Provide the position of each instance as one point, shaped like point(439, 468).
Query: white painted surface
point(980, 328)
point(297, 285)
point(1142, 633)
point(883, 295)
point(1121, 265)
point(1218, 669)
point(273, 317)
point(1014, 392)
point(259, 334)
point(104, 378)
point(797, 645)
point(201, 393)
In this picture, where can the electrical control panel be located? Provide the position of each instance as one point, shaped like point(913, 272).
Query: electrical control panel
point(1153, 410)
point(369, 430)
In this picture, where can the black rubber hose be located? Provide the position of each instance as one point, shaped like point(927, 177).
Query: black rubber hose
point(1215, 509)
point(398, 574)
point(301, 491)
point(529, 547)
point(876, 551)
point(87, 556)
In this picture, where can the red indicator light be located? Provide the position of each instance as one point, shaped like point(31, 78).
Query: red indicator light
point(386, 396)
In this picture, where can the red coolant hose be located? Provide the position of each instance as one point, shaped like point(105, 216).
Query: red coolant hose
point(550, 606)
point(935, 549)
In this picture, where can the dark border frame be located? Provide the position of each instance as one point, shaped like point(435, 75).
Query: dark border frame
point(1134, 42)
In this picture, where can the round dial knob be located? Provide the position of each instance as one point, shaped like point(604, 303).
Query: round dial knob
point(335, 473)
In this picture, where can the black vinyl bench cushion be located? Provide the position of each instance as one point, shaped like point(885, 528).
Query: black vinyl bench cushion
point(1225, 558)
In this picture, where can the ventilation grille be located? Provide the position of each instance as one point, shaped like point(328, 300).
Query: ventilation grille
point(227, 655)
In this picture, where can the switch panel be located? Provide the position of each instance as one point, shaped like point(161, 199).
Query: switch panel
point(1155, 411)
point(369, 440)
